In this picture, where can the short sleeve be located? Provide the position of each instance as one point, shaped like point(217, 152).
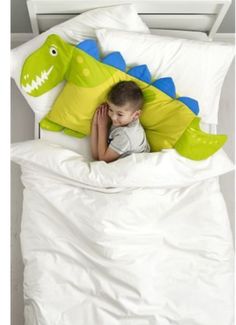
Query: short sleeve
point(119, 141)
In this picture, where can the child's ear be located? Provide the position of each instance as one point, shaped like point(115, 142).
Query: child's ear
point(136, 114)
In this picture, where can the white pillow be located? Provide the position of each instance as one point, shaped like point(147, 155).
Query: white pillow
point(198, 68)
point(74, 30)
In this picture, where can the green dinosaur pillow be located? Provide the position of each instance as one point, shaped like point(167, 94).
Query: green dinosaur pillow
point(164, 117)
point(88, 82)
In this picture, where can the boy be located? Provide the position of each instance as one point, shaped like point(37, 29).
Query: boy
point(126, 134)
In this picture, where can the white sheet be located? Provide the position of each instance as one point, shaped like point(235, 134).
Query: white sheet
point(144, 240)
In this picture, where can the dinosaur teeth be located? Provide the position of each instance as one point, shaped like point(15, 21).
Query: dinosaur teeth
point(38, 81)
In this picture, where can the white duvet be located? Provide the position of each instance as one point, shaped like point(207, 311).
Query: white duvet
point(142, 241)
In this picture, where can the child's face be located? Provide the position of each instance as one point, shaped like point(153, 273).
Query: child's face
point(122, 115)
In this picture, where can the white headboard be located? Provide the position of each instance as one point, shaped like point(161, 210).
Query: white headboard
point(188, 15)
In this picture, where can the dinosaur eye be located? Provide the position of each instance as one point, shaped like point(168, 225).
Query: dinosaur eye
point(53, 51)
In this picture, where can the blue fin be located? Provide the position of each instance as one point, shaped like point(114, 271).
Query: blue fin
point(166, 85)
point(90, 47)
point(116, 60)
point(140, 72)
point(191, 103)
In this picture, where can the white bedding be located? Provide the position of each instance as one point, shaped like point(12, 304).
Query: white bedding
point(142, 241)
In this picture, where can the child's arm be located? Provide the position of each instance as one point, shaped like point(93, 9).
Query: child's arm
point(94, 136)
point(104, 152)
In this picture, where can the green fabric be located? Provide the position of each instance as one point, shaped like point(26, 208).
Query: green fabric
point(46, 67)
point(197, 144)
point(73, 133)
point(167, 121)
point(46, 124)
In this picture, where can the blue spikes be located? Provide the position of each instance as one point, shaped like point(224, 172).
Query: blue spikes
point(191, 103)
point(166, 85)
point(140, 72)
point(116, 60)
point(90, 47)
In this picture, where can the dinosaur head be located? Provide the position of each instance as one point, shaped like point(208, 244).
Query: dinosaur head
point(46, 67)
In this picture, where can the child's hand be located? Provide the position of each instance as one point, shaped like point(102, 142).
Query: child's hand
point(103, 119)
point(95, 118)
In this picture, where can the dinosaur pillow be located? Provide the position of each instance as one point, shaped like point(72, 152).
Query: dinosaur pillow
point(166, 117)
point(122, 17)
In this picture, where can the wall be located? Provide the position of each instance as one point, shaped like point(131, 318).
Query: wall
point(20, 22)
point(228, 24)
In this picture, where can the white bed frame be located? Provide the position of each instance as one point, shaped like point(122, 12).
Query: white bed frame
point(182, 15)
point(189, 15)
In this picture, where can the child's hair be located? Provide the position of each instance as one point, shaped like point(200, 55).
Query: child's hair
point(126, 92)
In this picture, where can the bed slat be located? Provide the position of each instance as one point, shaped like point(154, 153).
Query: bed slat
point(154, 6)
point(193, 15)
point(200, 23)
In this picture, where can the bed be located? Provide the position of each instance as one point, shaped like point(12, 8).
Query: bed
point(144, 240)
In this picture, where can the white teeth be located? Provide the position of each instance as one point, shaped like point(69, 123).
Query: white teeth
point(34, 84)
point(38, 81)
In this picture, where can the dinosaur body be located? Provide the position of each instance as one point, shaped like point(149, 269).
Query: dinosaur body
point(173, 121)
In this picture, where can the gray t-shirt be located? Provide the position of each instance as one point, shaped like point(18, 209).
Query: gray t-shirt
point(128, 139)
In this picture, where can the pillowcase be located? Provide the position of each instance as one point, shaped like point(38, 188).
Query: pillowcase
point(74, 30)
point(197, 67)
